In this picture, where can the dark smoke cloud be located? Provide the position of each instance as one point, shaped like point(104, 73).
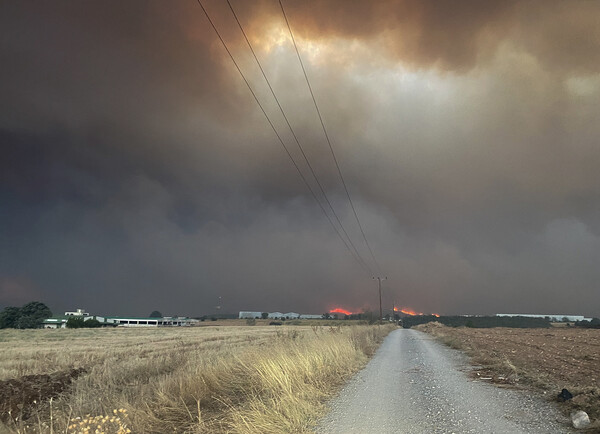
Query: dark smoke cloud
point(138, 174)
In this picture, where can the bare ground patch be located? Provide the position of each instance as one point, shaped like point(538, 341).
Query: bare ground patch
point(20, 396)
point(546, 360)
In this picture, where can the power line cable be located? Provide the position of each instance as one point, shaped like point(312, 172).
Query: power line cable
point(327, 138)
point(316, 178)
point(358, 259)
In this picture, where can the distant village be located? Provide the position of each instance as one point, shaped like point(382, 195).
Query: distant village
point(61, 321)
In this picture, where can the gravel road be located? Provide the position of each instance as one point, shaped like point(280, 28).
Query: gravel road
point(416, 385)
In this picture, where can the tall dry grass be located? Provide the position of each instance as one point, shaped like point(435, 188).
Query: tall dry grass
point(242, 379)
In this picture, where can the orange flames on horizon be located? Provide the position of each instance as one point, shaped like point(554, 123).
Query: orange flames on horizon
point(407, 311)
point(404, 310)
point(340, 310)
point(410, 312)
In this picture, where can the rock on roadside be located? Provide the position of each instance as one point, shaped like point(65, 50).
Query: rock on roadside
point(580, 419)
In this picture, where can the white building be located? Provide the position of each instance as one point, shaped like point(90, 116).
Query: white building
point(166, 321)
point(554, 318)
point(249, 315)
point(55, 323)
point(60, 322)
point(309, 316)
point(78, 312)
point(276, 315)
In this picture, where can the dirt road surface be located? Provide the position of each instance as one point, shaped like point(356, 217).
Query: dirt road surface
point(416, 385)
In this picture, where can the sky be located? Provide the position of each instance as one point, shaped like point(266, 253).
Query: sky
point(137, 172)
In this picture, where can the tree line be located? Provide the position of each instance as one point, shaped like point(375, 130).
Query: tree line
point(478, 321)
point(593, 324)
point(29, 316)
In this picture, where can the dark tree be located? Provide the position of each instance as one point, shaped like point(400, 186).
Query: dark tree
point(155, 314)
point(33, 314)
point(264, 315)
point(593, 324)
point(29, 322)
point(9, 318)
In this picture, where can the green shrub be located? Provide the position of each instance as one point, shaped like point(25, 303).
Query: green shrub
point(75, 323)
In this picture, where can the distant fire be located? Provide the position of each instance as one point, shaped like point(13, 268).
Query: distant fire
point(410, 312)
point(340, 310)
point(407, 311)
point(404, 310)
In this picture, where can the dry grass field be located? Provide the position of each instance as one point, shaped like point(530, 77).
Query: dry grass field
point(200, 379)
point(547, 360)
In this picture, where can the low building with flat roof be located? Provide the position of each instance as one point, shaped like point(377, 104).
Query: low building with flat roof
point(553, 317)
point(167, 321)
point(60, 321)
point(310, 316)
point(78, 312)
point(249, 315)
point(246, 314)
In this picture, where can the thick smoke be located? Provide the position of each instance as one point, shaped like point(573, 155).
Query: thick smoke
point(137, 173)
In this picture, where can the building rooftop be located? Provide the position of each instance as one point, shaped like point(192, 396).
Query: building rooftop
point(162, 318)
point(57, 318)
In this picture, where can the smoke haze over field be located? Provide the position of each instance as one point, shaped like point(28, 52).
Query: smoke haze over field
point(137, 172)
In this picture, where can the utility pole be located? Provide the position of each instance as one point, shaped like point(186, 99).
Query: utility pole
point(218, 307)
point(379, 279)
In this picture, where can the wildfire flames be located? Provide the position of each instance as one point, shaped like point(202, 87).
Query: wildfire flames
point(403, 310)
point(411, 312)
point(340, 310)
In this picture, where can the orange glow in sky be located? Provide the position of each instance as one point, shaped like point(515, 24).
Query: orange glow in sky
point(340, 310)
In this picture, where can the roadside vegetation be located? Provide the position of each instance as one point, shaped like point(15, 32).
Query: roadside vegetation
point(213, 379)
point(544, 360)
